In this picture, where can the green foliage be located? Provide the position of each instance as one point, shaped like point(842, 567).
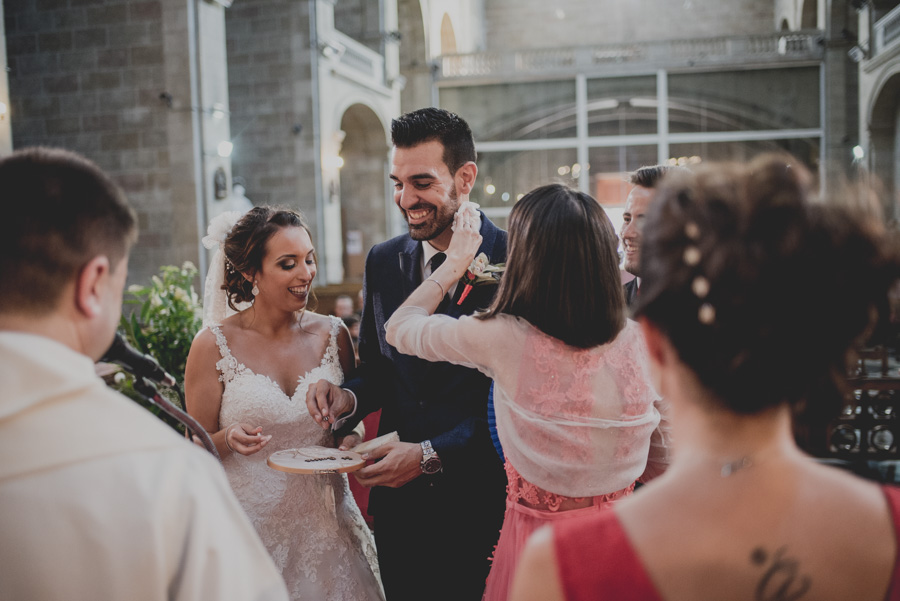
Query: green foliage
point(166, 317)
point(169, 317)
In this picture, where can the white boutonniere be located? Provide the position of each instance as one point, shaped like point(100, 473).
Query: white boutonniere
point(480, 271)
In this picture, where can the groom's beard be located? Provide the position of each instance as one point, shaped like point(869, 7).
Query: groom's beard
point(440, 220)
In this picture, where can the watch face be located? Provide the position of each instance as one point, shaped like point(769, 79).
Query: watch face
point(432, 466)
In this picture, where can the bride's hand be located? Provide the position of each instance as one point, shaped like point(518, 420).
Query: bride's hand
point(244, 439)
point(466, 240)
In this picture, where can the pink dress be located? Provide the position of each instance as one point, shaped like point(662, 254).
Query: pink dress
point(528, 507)
point(578, 426)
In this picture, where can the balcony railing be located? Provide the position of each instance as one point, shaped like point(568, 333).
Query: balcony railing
point(887, 30)
point(759, 49)
point(349, 58)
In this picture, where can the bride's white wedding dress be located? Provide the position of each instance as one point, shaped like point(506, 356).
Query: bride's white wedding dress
point(309, 523)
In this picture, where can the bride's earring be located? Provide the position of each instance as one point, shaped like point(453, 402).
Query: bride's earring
point(255, 289)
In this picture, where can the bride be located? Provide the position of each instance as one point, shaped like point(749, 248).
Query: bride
point(245, 382)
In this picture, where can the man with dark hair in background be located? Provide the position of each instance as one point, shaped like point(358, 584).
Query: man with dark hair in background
point(637, 204)
point(438, 496)
point(98, 499)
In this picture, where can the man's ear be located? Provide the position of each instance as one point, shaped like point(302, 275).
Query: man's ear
point(465, 178)
point(90, 286)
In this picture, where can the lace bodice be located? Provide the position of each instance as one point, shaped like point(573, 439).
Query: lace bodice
point(309, 523)
point(256, 392)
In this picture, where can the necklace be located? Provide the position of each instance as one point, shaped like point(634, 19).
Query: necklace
point(732, 467)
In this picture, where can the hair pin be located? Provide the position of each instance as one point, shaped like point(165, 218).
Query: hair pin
point(700, 286)
point(692, 230)
point(691, 256)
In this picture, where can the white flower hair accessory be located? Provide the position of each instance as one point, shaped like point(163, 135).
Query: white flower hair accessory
point(219, 228)
point(215, 300)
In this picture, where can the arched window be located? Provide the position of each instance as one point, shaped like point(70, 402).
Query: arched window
point(448, 37)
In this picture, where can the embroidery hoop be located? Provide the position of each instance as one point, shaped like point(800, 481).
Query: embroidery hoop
point(315, 460)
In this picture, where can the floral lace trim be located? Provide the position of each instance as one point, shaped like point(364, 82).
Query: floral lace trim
point(519, 490)
point(229, 367)
point(331, 352)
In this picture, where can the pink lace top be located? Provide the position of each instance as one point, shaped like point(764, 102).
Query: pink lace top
point(578, 422)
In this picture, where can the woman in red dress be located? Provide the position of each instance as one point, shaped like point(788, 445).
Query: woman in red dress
point(751, 297)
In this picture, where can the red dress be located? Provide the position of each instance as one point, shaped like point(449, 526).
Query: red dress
point(616, 570)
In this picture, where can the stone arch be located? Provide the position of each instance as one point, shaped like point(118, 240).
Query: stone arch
point(448, 36)
point(883, 123)
point(785, 26)
point(364, 150)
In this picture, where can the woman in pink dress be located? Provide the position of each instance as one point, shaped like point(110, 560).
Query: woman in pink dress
point(750, 299)
point(576, 414)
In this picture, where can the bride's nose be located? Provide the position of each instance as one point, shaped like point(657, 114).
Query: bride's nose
point(307, 272)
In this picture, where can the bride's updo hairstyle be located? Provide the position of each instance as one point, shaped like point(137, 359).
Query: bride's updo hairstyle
point(562, 270)
point(245, 248)
point(760, 291)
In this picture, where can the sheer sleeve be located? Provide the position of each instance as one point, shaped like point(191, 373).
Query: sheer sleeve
point(466, 341)
point(660, 444)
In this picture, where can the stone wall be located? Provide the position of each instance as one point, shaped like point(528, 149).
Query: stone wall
point(111, 79)
point(86, 75)
point(270, 92)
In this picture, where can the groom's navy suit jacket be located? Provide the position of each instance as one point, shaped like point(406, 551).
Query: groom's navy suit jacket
point(444, 403)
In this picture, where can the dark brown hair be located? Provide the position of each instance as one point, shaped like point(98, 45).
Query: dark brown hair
point(427, 124)
point(60, 211)
point(562, 272)
point(790, 284)
point(245, 248)
point(650, 175)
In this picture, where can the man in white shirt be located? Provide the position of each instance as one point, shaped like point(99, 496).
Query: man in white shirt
point(98, 499)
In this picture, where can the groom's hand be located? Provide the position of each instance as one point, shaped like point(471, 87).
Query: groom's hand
point(401, 462)
point(326, 402)
point(348, 442)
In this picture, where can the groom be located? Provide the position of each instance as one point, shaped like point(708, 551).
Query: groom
point(438, 497)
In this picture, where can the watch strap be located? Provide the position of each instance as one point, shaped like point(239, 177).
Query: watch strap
point(430, 459)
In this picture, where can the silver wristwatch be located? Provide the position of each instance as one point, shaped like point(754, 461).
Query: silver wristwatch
point(431, 463)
